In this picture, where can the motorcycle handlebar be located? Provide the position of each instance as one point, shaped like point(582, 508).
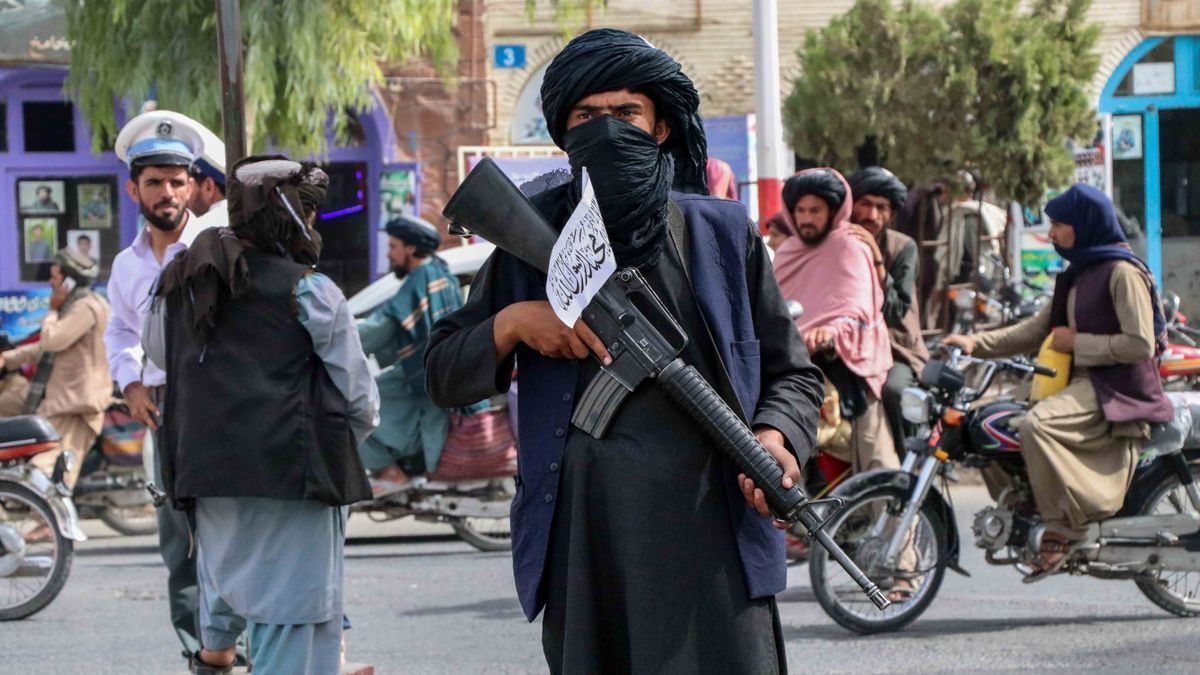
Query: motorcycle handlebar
point(1044, 370)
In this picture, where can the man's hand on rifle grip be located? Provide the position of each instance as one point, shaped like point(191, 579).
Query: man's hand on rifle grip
point(535, 324)
point(772, 439)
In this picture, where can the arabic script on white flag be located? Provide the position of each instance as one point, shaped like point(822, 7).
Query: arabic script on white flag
point(582, 259)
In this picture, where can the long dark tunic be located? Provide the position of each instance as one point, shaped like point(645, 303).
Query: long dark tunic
point(643, 572)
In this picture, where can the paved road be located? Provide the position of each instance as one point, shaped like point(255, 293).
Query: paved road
point(423, 602)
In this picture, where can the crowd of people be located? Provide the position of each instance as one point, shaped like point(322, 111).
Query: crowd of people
point(644, 549)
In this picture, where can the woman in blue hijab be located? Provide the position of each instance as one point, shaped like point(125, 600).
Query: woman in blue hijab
point(1081, 445)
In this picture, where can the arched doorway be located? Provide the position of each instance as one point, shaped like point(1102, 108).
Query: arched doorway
point(1154, 99)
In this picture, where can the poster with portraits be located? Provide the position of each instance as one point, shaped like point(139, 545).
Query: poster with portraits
point(41, 197)
point(56, 213)
point(95, 206)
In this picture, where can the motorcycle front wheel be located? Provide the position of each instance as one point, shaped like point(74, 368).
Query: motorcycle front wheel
point(863, 529)
point(35, 557)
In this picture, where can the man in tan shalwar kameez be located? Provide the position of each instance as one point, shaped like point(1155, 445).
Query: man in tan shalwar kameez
point(1081, 445)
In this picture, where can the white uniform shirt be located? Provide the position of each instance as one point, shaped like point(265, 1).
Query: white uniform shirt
point(134, 272)
point(217, 215)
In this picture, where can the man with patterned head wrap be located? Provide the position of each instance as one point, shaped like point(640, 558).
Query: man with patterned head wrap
point(264, 458)
point(72, 387)
point(412, 430)
point(878, 197)
point(647, 550)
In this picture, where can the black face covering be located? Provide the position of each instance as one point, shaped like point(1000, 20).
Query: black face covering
point(632, 179)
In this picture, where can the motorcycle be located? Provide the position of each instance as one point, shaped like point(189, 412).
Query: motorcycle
point(901, 528)
point(38, 523)
point(995, 302)
point(471, 488)
point(1179, 364)
point(112, 479)
point(476, 509)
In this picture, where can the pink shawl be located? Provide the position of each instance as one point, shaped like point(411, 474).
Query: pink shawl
point(721, 180)
point(835, 281)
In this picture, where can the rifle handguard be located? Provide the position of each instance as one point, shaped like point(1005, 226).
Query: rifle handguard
point(691, 392)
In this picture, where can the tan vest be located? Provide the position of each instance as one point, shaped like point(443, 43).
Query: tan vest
point(907, 345)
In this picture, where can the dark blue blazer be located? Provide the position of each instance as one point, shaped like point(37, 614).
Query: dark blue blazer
point(717, 253)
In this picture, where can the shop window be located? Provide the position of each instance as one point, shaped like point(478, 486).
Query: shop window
point(49, 126)
point(1153, 74)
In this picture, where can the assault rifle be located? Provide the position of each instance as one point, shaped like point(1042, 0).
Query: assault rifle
point(644, 341)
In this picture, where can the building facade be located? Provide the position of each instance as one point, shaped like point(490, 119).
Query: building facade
point(1147, 90)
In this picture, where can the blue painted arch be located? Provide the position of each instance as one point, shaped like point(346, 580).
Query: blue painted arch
point(1187, 95)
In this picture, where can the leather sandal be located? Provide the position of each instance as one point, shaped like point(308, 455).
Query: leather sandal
point(195, 665)
point(1052, 544)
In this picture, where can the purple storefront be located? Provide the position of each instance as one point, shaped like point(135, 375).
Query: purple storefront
point(55, 192)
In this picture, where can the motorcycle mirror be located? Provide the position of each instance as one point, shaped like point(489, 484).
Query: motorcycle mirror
point(940, 375)
point(1170, 305)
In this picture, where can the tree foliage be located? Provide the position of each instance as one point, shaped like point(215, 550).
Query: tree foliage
point(979, 83)
point(307, 62)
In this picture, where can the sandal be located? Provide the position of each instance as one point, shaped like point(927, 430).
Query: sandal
point(195, 665)
point(902, 590)
point(1052, 544)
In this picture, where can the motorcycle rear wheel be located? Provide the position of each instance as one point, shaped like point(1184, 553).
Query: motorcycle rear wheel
point(485, 534)
point(25, 511)
point(841, 598)
point(131, 521)
point(1176, 592)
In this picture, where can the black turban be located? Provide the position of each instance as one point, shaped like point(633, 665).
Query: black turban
point(415, 231)
point(879, 182)
point(823, 184)
point(606, 59)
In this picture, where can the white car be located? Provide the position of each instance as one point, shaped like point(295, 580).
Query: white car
point(464, 263)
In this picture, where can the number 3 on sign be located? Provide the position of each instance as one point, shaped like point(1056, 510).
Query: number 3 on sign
point(509, 56)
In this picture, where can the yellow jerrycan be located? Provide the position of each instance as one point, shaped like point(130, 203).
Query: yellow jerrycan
point(1043, 385)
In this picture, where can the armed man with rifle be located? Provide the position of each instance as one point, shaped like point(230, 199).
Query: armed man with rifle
point(648, 548)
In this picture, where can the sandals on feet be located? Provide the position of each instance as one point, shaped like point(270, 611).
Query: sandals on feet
point(1053, 544)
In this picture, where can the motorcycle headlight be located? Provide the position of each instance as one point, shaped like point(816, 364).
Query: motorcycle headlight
point(964, 299)
point(914, 405)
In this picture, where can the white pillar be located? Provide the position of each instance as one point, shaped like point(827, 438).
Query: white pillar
point(768, 108)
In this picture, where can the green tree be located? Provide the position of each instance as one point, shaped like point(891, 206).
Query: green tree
point(304, 60)
point(979, 83)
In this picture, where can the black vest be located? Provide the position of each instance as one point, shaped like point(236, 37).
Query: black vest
point(252, 412)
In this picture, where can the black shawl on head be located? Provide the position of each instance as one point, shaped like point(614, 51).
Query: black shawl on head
point(606, 59)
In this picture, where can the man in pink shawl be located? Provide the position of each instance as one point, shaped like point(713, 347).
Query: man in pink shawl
point(721, 180)
point(832, 274)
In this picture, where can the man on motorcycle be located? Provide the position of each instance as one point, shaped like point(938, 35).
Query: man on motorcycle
point(878, 197)
point(1081, 445)
point(72, 387)
point(836, 276)
point(412, 429)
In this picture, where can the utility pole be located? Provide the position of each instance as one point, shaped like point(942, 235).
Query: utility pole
point(229, 44)
point(768, 108)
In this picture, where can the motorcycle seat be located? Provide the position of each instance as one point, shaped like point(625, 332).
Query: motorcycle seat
point(1183, 430)
point(26, 436)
